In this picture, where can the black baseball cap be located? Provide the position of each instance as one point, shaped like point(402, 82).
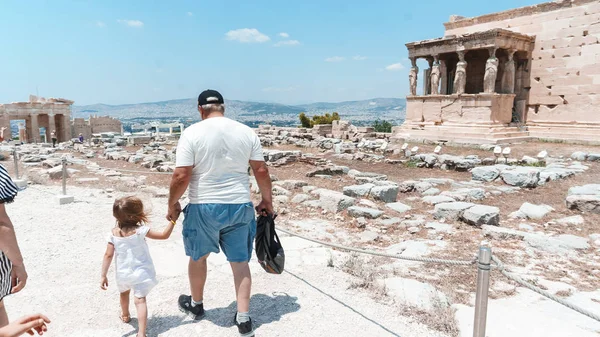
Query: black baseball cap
point(210, 97)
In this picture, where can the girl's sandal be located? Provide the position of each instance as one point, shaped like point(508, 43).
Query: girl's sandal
point(125, 318)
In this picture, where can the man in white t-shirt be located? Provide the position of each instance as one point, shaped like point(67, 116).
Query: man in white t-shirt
point(212, 159)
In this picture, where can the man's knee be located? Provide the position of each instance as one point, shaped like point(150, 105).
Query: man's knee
point(202, 259)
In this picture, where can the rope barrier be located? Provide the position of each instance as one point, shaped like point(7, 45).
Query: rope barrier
point(393, 256)
point(517, 279)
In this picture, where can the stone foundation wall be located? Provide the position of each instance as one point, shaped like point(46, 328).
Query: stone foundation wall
point(565, 71)
point(105, 124)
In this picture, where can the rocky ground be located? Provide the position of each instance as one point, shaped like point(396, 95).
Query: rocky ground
point(538, 209)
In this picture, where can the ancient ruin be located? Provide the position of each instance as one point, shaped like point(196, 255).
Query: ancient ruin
point(53, 114)
point(516, 75)
point(95, 125)
point(50, 114)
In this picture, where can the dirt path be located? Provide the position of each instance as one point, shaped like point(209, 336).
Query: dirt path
point(63, 247)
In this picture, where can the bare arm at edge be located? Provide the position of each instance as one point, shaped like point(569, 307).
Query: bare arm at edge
point(263, 179)
point(179, 183)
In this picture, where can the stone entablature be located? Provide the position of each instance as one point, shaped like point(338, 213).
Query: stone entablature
point(495, 38)
point(459, 22)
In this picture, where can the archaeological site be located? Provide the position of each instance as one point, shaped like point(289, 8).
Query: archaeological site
point(478, 216)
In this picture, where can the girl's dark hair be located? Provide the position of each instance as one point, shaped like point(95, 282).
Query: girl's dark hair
point(129, 212)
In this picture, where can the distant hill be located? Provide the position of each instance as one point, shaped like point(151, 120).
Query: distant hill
point(391, 108)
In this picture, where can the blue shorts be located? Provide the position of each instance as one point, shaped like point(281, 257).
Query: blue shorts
point(208, 226)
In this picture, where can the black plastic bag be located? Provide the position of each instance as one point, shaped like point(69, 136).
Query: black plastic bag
point(269, 251)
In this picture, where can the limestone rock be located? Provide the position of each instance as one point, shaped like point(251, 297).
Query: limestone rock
point(358, 190)
point(531, 211)
point(431, 191)
point(407, 186)
point(593, 157)
point(466, 194)
point(479, 215)
point(281, 199)
point(591, 189)
point(414, 230)
point(521, 176)
point(451, 210)
point(422, 186)
point(334, 201)
point(389, 222)
point(501, 233)
point(300, 198)
point(438, 199)
point(575, 220)
point(369, 213)
point(291, 184)
point(330, 171)
point(581, 156)
point(485, 173)
point(573, 241)
point(384, 193)
point(530, 160)
point(308, 189)
point(278, 190)
point(368, 236)
point(584, 203)
point(398, 207)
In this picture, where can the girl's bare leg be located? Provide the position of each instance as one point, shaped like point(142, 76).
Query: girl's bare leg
point(125, 315)
point(142, 314)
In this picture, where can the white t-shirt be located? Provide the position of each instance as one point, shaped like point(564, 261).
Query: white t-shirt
point(219, 150)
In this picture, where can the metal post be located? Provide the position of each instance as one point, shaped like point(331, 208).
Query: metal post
point(15, 156)
point(64, 176)
point(483, 286)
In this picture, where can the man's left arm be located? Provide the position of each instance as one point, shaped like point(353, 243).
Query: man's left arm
point(184, 162)
point(179, 183)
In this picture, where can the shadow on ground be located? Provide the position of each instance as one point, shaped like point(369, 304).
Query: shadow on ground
point(264, 309)
point(159, 324)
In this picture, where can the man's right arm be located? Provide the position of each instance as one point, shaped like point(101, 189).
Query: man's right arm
point(263, 179)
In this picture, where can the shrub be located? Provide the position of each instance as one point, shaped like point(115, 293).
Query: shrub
point(382, 126)
point(317, 120)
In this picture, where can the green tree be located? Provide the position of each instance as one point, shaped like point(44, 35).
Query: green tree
point(316, 120)
point(382, 126)
point(305, 121)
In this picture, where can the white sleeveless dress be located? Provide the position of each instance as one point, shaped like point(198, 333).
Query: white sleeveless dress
point(134, 267)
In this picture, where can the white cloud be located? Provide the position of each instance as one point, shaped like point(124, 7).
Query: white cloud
point(132, 23)
point(276, 89)
point(359, 58)
point(284, 35)
point(395, 67)
point(190, 14)
point(335, 59)
point(287, 43)
point(100, 24)
point(247, 35)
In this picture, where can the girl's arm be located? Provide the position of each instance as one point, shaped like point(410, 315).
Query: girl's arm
point(108, 256)
point(165, 234)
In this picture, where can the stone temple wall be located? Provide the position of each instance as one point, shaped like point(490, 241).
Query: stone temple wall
point(565, 64)
point(105, 124)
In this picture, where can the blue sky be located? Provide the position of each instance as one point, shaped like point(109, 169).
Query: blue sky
point(133, 51)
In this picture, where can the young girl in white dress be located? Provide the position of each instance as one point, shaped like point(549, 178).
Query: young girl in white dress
point(133, 264)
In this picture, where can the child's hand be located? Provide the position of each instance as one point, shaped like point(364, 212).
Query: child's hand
point(104, 283)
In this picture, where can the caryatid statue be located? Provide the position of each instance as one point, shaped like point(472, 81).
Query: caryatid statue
point(435, 77)
point(508, 78)
point(491, 72)
point(412, 76)
point(460, 75)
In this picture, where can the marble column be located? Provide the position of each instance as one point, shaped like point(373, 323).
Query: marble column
point(508, 77)
point(491, 72)
point(460, 75)
point(51, 127)
point(413, 77)
point(35, 128)
point(427, 77)
point(434, 76)
point(66, 128)
point(444, 78)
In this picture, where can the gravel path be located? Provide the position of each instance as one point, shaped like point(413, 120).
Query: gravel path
point(63, 247)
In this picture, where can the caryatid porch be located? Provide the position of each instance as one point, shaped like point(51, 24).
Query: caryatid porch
point(475, 87)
